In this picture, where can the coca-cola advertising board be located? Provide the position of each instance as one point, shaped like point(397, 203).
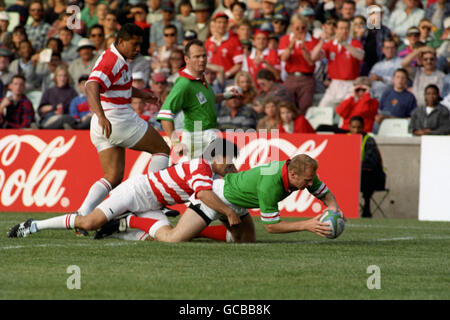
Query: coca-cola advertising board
point(52, 170)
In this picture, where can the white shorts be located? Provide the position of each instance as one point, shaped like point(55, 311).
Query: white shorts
point(127, 129)
point(134, 195)
point(209, 214)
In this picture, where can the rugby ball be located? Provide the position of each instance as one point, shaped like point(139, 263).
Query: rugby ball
point(335, 221)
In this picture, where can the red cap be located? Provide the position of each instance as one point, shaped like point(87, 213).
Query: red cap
point(159, 77)
point(220, 14)
point(258, 31)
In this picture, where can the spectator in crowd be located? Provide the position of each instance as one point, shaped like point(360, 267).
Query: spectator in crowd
point(432, 118)
point(428, 36)
point(69, 52)
point(139, 12)
point(89, 13)
point(5, 74)
point(382, 72)
point(24, 65)
point(97, 37)
point(405, 17)
point(267, 86)
point(295, 50)
point(53, 10)
point(79, 108)
point(20, 7)
point(160, 57)
point(236, 115)
point(85, 63)
point(201, 26)
point(280, 23)
point(271, 119)
point(66, 19)
point(157, 29)
point(37, 30)
point(244, 81)
point(244, 30)
point(291, 121)
point(141, 64)
point(348, 10)
point(412, 37)
point(5, 36)
point(423, 76)
point(265, 15)
point(238, 10)
point(154, 11)
point(188, 36)
point(16, 111)
point(159, 85)
point(138, 80)
point(138, 105)
point(437, 12)
point(110, 25)
point(224, 48)
point(445, 88)
point(396, 102)
point(372, 173)
point(18, 36)
point(55, 102)
point(261, 57)
point(46, 71)
point(176, 62)
point(258, 108)
point(359, 104)
point(362, 7)
point(101, 11)
point(344, 56)
point(185, 16)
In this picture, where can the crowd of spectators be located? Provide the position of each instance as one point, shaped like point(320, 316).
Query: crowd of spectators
point(374, 59)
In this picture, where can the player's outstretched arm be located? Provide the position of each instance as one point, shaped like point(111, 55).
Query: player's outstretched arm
point(330, 201)
point(93, 98)
point(209, 198)
point(312, 225)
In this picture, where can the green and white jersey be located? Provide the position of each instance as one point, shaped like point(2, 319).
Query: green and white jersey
point(195, 98)
point(263, 187)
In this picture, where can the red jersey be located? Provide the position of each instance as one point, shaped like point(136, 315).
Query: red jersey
point(301, 125)
point(177, 183)
point(341, 64)
point(366, 107)
point(296, 62)
point(226, 53)
point(269, 55)
point(112, 73)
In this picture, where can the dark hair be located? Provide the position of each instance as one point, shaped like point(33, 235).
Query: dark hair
point(18, 76)
point(349, 2)
point(220, 147)
point(343, 20)
point(141, 5)
point(360, 17)
point(96, 26)
point(128, 31)
point(66, 28)
point(405, 72)
point(195, 42)
point(265, 74)
point(83, 77)
point(171, 26)
point(435, 87)
point(240, 4)
point(58, 42)
point(184, 3)
point(357, 118)
point(389, 39)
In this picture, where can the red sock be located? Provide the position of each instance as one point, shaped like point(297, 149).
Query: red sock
point(218, 233)
point(143, 224)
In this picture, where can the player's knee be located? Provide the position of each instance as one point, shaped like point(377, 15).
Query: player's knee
point(115, 179)
point(87, 223)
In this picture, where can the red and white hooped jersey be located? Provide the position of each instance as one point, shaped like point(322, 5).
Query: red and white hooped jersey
point(112, 72)
point(177, 183)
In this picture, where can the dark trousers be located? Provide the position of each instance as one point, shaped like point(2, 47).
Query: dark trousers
point(301, 89)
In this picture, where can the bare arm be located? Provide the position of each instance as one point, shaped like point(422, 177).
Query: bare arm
point(169, 129)
point(355, 52)
point(93, 98)
point(209, 198)
point(312, 225)
point(315, 53)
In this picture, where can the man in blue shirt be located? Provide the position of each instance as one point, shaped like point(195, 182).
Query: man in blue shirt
point(397, 102)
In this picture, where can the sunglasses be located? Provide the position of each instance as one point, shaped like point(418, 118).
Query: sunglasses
point(428, 59)
point(169, 34)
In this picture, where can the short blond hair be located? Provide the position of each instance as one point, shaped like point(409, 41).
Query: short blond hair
point(301, 162)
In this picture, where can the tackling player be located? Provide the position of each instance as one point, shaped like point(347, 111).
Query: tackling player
point(146, 193)
point(115, 126)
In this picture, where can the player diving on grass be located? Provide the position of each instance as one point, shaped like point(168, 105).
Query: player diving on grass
point(261, 187)
point(146, 194)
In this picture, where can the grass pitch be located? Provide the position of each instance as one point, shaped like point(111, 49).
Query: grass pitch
point(412, 256)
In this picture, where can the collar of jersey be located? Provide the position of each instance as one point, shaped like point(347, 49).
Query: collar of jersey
point(285, 177)
point(116, 52)
point(186, 74)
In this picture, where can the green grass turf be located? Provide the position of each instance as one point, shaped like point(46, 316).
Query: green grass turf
point(413, 258)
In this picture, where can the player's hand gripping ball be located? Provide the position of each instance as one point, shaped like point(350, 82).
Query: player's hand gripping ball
point(335, 221)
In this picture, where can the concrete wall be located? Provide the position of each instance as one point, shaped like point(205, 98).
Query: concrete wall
point(401, 158)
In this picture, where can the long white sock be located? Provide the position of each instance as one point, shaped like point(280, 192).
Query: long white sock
point(66, 221)
point(97, 193)
point(132, 234)
point(158, 162)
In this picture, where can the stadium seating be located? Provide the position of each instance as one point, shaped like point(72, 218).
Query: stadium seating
point(317, 116)
point(394, 128)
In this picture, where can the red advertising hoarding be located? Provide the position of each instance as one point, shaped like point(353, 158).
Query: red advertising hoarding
point(52, 170)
